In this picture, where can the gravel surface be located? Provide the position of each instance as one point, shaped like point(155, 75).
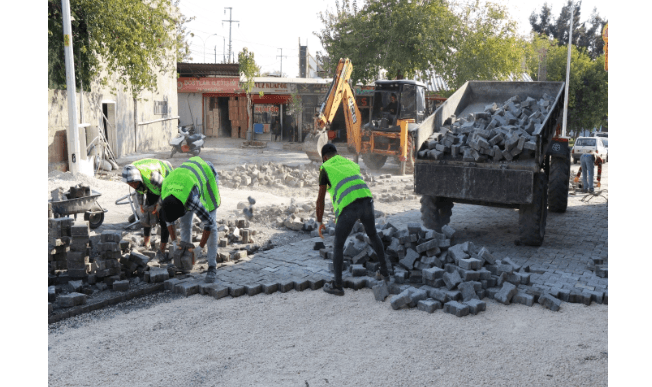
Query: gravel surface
point(315, 339)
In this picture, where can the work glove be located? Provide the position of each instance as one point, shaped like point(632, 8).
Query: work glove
point(321, 227)
point(576, 179)
point(598, 184)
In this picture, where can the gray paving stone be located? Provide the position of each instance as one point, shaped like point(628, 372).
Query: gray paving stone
point(253, 289)
point(475, 306)
point(524, 298)
point(285, 285)
point(468, 291)
point(550, 302)
point(187, 288)
point(456, 308)
point(417, 295)
point(428, 305)
point(236, 290)
point(506, 293)
point(71, 299)
point(452, 279)
point(400, 300)
point(381, 291)
point(316, 283)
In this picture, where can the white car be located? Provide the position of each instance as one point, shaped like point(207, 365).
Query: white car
point(590, 145)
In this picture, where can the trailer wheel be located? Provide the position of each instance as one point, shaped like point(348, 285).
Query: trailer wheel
point(532, 217)
point(436, 211)
point(96, 220)
point(374, 161)
point(558, 184)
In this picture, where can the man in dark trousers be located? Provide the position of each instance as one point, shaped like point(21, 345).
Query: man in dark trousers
point(192, 189)
point(146, 177)
point(352, 200)
point(276, 129)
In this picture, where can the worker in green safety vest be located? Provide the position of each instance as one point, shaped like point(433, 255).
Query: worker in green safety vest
point(192, 189)
point(146, 177)
point(352, 201)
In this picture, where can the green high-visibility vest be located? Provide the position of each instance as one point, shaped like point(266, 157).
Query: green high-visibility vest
point(146, 167)
point(346, 183)
point(193, 173)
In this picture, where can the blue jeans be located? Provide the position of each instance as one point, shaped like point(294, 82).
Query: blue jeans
point(586, 162)
point(186, 234)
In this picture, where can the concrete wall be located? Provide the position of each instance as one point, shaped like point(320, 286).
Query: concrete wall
point(126, 138)
point(190, 106)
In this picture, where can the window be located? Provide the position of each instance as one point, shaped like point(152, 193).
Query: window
point(585, 142)
point(160, 107)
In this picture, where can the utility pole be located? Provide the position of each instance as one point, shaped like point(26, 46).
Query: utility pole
point(282, 56)
point(570, 42)
point(231, 21)
point(73, 131)
point(223, 50)
point(215, 54)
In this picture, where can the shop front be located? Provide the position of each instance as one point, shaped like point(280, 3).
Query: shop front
point(270, 100)
point(208, 104)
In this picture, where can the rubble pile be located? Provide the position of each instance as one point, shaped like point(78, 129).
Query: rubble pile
point(275, 176)
point(498, 133)
point(430, 273)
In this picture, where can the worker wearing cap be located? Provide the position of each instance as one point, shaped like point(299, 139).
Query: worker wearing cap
point(192, 189)
point(587, 162)
point(352, 201)
point(146, 177)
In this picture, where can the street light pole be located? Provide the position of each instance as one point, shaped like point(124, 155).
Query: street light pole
point(204, 43)
point(570, 42)
point(73, 131)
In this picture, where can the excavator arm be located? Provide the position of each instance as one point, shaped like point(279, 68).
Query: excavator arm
point(339, 92)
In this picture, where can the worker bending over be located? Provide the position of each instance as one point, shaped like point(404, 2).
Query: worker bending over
point(352, 200)
point(587, 161)
point(192, 189)
point(146, 176)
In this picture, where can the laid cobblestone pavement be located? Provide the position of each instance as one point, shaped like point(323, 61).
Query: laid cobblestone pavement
point(572, 240)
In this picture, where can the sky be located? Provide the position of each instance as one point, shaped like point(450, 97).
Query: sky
point(273, 28)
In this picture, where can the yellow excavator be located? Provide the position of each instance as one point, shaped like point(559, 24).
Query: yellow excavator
point(399, 107)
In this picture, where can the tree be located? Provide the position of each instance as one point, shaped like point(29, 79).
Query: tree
point(248, 70)
point(399, 36)
point(588, 84)
point(182, 34)
point(587, 35)
point(131, 39)
point(295, 107)
point(486, 45)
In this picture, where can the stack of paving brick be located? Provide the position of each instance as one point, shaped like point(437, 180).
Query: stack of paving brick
point(432, 273)
point(108, 262)
point(58, 243)
point(499, 133)
point(78, 262)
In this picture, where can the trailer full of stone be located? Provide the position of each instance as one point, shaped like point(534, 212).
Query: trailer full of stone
point(430, 273)
point(502, 132)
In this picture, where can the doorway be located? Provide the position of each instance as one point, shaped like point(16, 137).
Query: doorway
point(108, 125)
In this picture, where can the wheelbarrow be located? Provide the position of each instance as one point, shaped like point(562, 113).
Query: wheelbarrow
point(88, 205)
point(134, 218)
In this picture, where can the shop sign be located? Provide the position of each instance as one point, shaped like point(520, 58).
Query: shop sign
point(274, 88)
point(266, 109)
point(208, 85)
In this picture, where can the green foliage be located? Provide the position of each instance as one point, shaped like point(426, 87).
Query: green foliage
point(132, 39)
point(587, 35)
point(588, 85)
point(462, 42)
point(486, 45)
point(295, 107)
point(248, 68)
point(182, 42)
point(400, 36)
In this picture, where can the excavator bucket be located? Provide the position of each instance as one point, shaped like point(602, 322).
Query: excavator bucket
point(313, 143)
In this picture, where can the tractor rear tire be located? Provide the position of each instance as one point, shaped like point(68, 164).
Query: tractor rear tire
point(374, 161)
point(436, 212)
point(532, 217)
point(558, 184)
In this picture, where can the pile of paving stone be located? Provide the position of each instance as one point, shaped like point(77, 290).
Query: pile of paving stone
point(498, 133)
point(430, 273)
point(275, 176)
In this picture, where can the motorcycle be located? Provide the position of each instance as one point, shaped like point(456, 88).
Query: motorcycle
point(187, 141)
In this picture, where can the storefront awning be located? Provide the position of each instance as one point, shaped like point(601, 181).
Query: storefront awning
point(271, 98)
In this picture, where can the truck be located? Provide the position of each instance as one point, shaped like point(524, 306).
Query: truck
point(533, 184)
point(388, 134)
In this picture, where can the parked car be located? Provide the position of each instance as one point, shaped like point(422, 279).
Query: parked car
point(590, 145)
point(601, 134)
